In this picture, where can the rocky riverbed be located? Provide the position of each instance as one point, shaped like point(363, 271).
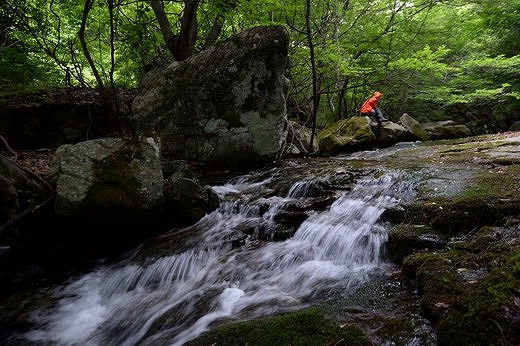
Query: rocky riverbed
point(449, 271)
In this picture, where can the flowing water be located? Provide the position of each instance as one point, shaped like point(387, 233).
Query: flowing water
point(172, 296)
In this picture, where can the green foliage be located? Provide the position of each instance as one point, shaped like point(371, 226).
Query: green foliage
point(425, 57)
point(424, 61)
point(503, 18)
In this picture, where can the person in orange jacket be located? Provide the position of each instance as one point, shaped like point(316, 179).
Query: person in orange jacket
point(369, 108)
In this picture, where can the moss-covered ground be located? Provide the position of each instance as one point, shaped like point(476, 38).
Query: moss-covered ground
point(307, 327)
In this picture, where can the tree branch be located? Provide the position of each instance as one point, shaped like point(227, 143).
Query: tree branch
point(24, 213)
point(164, 25)
point(81, 34)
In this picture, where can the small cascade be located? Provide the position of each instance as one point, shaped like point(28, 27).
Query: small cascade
point(304, 188)
point(172, 299)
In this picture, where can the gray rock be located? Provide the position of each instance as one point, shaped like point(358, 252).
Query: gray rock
point(413, 126)
point(298, 138)
point(224, 107)
point(390, 133)
point(446, 130)
point(110, 180)
point(187, 199)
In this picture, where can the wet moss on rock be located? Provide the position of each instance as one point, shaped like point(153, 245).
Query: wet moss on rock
point(404, 240)
point(471, 290)
point(306, 327)
point(482, 202)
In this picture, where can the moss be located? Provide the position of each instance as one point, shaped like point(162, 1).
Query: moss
point(489, 314)
point(307, 327)
point(17, 310)
point(483, 310)
point(345, 133)
point(481, 202)
point(404, 240)
point(486, 189)
point(117, 188)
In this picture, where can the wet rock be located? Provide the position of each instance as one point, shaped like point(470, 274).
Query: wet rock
point(469, 290)
point(187, 200)
point(305, 327)
point(413, 126)
point(390, 133)
point(404, 240)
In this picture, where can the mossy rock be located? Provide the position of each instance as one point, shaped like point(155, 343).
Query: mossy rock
point(306, 327)
point(404, 240)
point(471, 290)
point(17, 310)
point(344, 134)
point(413, 126)
point(480, 202)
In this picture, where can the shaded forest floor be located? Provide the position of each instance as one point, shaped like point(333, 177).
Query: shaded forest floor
point(39, 161)
point(57, 95)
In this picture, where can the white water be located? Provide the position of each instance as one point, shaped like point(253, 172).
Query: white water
point(170, 300)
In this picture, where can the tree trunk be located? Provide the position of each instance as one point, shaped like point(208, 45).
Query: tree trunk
point(185, 41)
point(84, 47)
point(342, 105)
point(224, 7)
point(181, 46)
point(214, 32)
point(113, 91)
point(315, 94)
point(106, 99)
point(164, 24)
point(81, 34)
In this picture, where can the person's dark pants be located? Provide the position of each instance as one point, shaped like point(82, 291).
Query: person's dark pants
point(377, 114)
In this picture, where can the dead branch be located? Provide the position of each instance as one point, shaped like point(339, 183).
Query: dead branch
point(9, 148)
point(24, 213)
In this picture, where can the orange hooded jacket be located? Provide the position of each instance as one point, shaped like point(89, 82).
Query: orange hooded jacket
point(371, 104)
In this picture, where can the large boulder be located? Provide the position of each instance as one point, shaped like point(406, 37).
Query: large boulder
point(390, 133)
point(448, 129)
point(224, 107)
point(413, 126)
point(346, 135)
point(110, 181)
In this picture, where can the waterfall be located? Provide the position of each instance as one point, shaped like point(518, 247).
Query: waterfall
point(172, 299)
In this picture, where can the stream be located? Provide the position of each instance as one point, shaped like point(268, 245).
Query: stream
point(227, 266)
